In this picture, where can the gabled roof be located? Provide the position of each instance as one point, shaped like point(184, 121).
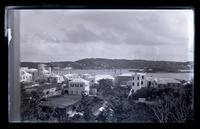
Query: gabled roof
point(79, 80)
point(31, 70)
point(167, 80)
point(25, 73)
point(70, 75)
point(103, 76)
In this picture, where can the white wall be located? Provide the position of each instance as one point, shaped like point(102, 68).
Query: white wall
point(138, 82)
point(78, 90)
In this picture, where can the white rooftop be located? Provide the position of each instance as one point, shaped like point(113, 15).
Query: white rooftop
point(151, 78)
point(170, 80)
point(32, 70)
point(167, 80)
point(79, 80)
point(103, 76)
point(54, 75)
point(24, 72)
point(131, 74)
point(71, 75)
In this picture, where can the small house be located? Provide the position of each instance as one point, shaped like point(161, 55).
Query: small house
point(78, 85)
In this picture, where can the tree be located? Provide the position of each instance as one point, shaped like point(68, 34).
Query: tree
point(29, 104)
point(107, 115)
point(174, 106)
point(84, 94)
point(104, 87)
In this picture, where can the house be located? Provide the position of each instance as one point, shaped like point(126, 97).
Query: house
point(167, 82)
point(160, 83)
point(43, 73)
point(70, 76)
point(151, 82)
point(78, 85)
point(45, 90)
point(54, 78)
point(122, 79)
point(67, 78)
point(67, 68)
point(34, 73)
point(88, 77)
point(41, 68)
point(134, 80)
point(25, 76)
point(103, 76)
point(56, 68)
point(172, 82)
point(137, 82)
point(64, 105)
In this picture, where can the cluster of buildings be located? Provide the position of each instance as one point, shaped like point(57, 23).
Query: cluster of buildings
point(42, 74)
point(43, 81)
point(134, 80)
point(76, 84)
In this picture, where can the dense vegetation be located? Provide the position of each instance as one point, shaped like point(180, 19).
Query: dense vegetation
point(169, 105)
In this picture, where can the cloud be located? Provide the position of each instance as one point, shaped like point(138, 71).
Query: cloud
point(81, 34)
point(75, 34)
point(132, 27)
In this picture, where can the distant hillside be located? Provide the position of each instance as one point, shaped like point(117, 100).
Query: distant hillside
point(101, 63)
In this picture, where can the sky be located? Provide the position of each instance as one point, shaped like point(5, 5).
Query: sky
point(70, 35)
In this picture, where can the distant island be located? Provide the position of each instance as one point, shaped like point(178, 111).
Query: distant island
point(134, 65)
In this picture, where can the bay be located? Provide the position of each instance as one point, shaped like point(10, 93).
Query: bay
point(183, 76)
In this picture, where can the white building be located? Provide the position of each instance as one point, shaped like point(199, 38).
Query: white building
point(42, 71)
point(46, 90)
point(138, 81)
point(70, 76)
point(43, 74)
point(34, 73)
point(89, 78)
point(151, 81)
point(135, 80)
point(122, 79)
point(167, 82)
point(54, 78)
point(25, 76)
point(67, 68)
point(78, 85)
point(103, 76)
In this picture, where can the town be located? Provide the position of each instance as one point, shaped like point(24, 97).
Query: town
point(48, 95)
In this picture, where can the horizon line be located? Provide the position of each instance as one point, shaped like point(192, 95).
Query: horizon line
point(105, 58)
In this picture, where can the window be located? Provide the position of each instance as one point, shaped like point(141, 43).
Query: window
point(138, 78)
point(76, 85)
point(81, 85)
point(133, 83)
point(133, 78)
point(138, 84)
point(142, 77)
point(47, 92)
point(72, 85)
point(149, 83)
point(141, 82)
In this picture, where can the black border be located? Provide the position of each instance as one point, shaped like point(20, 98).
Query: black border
point(98, 4)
